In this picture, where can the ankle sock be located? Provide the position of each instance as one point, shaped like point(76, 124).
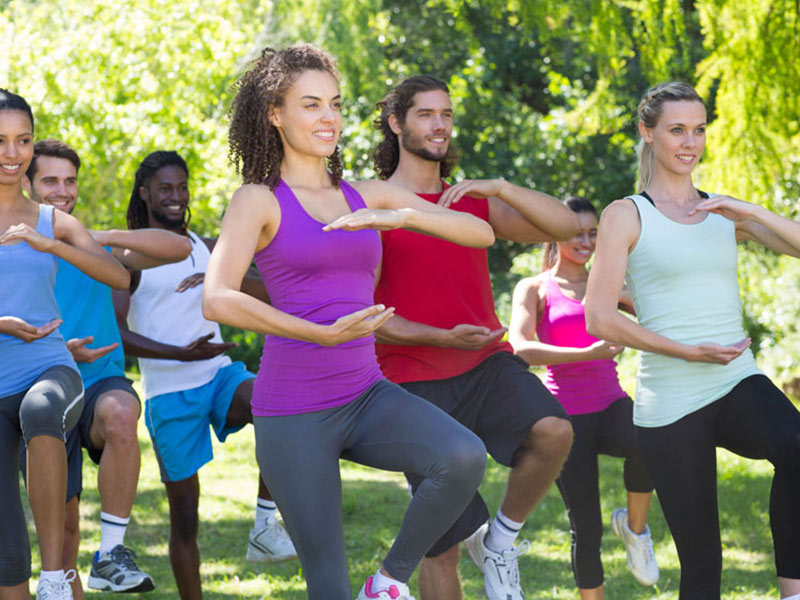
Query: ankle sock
point(112, 531)
point(503, 533)
point(384, 582)
point(52, 575)
point(264, 510)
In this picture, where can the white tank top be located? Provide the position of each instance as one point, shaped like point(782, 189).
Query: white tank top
point(160, 313)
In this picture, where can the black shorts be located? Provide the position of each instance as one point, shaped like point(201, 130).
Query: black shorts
point(500, 400)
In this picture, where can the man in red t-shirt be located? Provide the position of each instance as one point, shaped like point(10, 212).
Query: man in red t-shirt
point(444, 342)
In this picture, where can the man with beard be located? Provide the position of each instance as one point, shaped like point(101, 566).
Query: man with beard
point(107, 426)
point(445, 341)
point(189, 383)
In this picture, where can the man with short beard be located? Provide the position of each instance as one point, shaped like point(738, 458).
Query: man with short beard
point(445, 341)
point(189, 384)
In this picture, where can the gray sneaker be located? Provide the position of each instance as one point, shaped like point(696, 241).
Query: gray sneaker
point(270, 543)
point(48, 589)
point(115, 571)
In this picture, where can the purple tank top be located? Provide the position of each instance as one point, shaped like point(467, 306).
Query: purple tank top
point(581, 387)
point(318, 276)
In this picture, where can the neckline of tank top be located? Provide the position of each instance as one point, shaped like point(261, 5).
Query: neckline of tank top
point(552, 280)
point(43, 208)
point(343, 186)
point(647, 197)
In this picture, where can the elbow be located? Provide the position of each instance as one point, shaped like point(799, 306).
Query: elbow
point(211, 306)
point(121, 279)
point(597, 323)
point(487, 236)
point(184, 249)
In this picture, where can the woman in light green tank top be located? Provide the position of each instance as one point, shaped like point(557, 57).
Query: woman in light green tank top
point(698, 385)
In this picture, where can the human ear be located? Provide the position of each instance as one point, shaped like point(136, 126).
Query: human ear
point(394, 124)
point(646, 133)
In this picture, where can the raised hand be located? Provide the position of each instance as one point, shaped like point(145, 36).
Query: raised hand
point(730, 208)
point(472, 337)
point(77, 346)
point(202, 349)
point(25, 331)
point(477, 188)
point(356, 325)
point(717, 353)
point(602, 350)
point(191, 281)
point(26, 233)
point(368, 218)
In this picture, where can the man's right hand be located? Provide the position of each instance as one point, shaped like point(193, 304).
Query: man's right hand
point(82, 354)
point(24, 330)
point(471, 337)
point(202, 349)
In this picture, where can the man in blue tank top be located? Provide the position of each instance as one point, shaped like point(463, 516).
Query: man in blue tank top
point(107, 426)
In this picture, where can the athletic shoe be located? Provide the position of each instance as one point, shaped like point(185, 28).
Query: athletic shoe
point(271, 543)
point(395, 592)
point(115, 571)
point(49, 589)
point(641, 558)
point(500, 569)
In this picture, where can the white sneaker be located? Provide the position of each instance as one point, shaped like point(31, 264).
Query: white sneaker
point(271, 543)
point(395, 592)
point(641, 558)
point(48, 589)
point(500, 569)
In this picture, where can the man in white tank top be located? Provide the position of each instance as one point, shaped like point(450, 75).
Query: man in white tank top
point(189, 383)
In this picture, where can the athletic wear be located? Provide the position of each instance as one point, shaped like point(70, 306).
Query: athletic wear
point(396, 591)
point(87, 309)
point(755, 420)
point(684, 287)
point(563, 323)
point(638, 547)
point(438, 283)
point(385, 428)
point(500, 569)
point(28, 280)
point(500, 400)
point(160, 313)
point(50, 407)
point(116, 571)
point(178, 422)
point(57, 588)
point(317, 276)
point(270, 543)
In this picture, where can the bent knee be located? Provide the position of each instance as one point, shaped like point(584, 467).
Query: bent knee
point(552, 436)
point(117, 419)
point(465, 461)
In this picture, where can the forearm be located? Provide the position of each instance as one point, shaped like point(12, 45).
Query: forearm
point(155, 244)
point(402, 332)
point(100, 266)
point(618, 329)
point(457, 227)
point(541, 210)
point(537, 353)
point(786, 229)
point(136, 344)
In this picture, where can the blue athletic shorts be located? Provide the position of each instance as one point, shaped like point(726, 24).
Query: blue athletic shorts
point(178, 422)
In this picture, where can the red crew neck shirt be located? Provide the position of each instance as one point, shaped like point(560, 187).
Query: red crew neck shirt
point(437, 283)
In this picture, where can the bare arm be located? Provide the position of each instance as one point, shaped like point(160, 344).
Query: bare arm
point(252, 212)
point(139, 249)
point(525, 307)
point(401, 331)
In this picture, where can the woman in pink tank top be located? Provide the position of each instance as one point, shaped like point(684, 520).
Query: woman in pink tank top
point(582, 374)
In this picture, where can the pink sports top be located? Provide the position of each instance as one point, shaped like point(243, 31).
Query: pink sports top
point(581, 387)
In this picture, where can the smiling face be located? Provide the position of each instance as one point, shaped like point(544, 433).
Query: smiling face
point(16, 146)
point(55, 183)
point(428, 126)
point(679, 136)
point(310, 120)
point(580, 248)
point(166, 194)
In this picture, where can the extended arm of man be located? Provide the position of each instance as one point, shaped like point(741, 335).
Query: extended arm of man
point(139, 249)
point(401, 331)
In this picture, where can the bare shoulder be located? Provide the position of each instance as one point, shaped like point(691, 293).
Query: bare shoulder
point(620, 219)
point(65, 225)
point(527, 288)
point(256, 200)
point(373, 191)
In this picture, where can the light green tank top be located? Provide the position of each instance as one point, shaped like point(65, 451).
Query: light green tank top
point(684, 286)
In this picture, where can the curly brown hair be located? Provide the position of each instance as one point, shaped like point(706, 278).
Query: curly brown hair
point(254, 145)
point(397, 102)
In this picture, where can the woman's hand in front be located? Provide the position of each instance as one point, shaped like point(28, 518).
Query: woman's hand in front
point(356, 325)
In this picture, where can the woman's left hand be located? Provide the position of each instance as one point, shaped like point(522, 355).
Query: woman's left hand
point(369, 218)
point(26, 233)
point(730, 208)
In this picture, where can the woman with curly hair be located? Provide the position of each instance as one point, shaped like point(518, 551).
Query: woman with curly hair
point(319, 394)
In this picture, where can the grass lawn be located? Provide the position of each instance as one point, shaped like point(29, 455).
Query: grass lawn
point(374, 502)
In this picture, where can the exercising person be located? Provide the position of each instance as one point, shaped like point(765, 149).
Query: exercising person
point(107, 427)
point(582, 374)
point(189, 383)
point(698, 384)
point(445, 344)
point(41, 394)
point(320, 395)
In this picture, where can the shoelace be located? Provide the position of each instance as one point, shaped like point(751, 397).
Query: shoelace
point(644, 549)
point(124, 556)
point(511, 556)
point(50, 585)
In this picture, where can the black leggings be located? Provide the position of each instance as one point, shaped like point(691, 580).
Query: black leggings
point(754, 420)
point(610, 432)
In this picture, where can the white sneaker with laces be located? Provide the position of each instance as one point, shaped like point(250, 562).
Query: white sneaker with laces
point(271, 543)
point(500, 569)
point(49, 589)
point(641, 558)
point(394, 592)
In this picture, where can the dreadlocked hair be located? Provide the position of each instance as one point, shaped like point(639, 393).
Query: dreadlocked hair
point(397, 102)
point(254, 145)
point(137, 207)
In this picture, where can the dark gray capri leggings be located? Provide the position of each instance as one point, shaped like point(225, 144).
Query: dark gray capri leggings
point(51, 406)
point(386, 428)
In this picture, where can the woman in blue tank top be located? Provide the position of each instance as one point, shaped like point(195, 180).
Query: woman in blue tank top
point(40, 389)
point(698, 385)
point(320, 394)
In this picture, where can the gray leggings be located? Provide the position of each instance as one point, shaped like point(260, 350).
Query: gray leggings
point(51, 406)
point(386, 428)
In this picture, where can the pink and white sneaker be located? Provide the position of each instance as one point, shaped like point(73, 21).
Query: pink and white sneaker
point(397, 591)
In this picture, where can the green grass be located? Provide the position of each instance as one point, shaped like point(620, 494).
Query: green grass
point(373, 505)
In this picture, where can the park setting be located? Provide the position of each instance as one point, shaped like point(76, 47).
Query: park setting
point(544, 95)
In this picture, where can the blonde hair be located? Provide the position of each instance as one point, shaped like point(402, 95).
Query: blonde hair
point(649, 112)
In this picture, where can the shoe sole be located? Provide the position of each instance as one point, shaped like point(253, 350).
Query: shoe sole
point(265, 557)
point(104, 585)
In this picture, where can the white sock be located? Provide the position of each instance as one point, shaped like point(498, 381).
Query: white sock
point(112, 531)
point(384, 582)
point(264, 510)
point(503, 533)
point(52, 575)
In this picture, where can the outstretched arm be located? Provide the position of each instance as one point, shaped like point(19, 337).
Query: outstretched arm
point(401, 331)
point(522, 332)
point(139, 249)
